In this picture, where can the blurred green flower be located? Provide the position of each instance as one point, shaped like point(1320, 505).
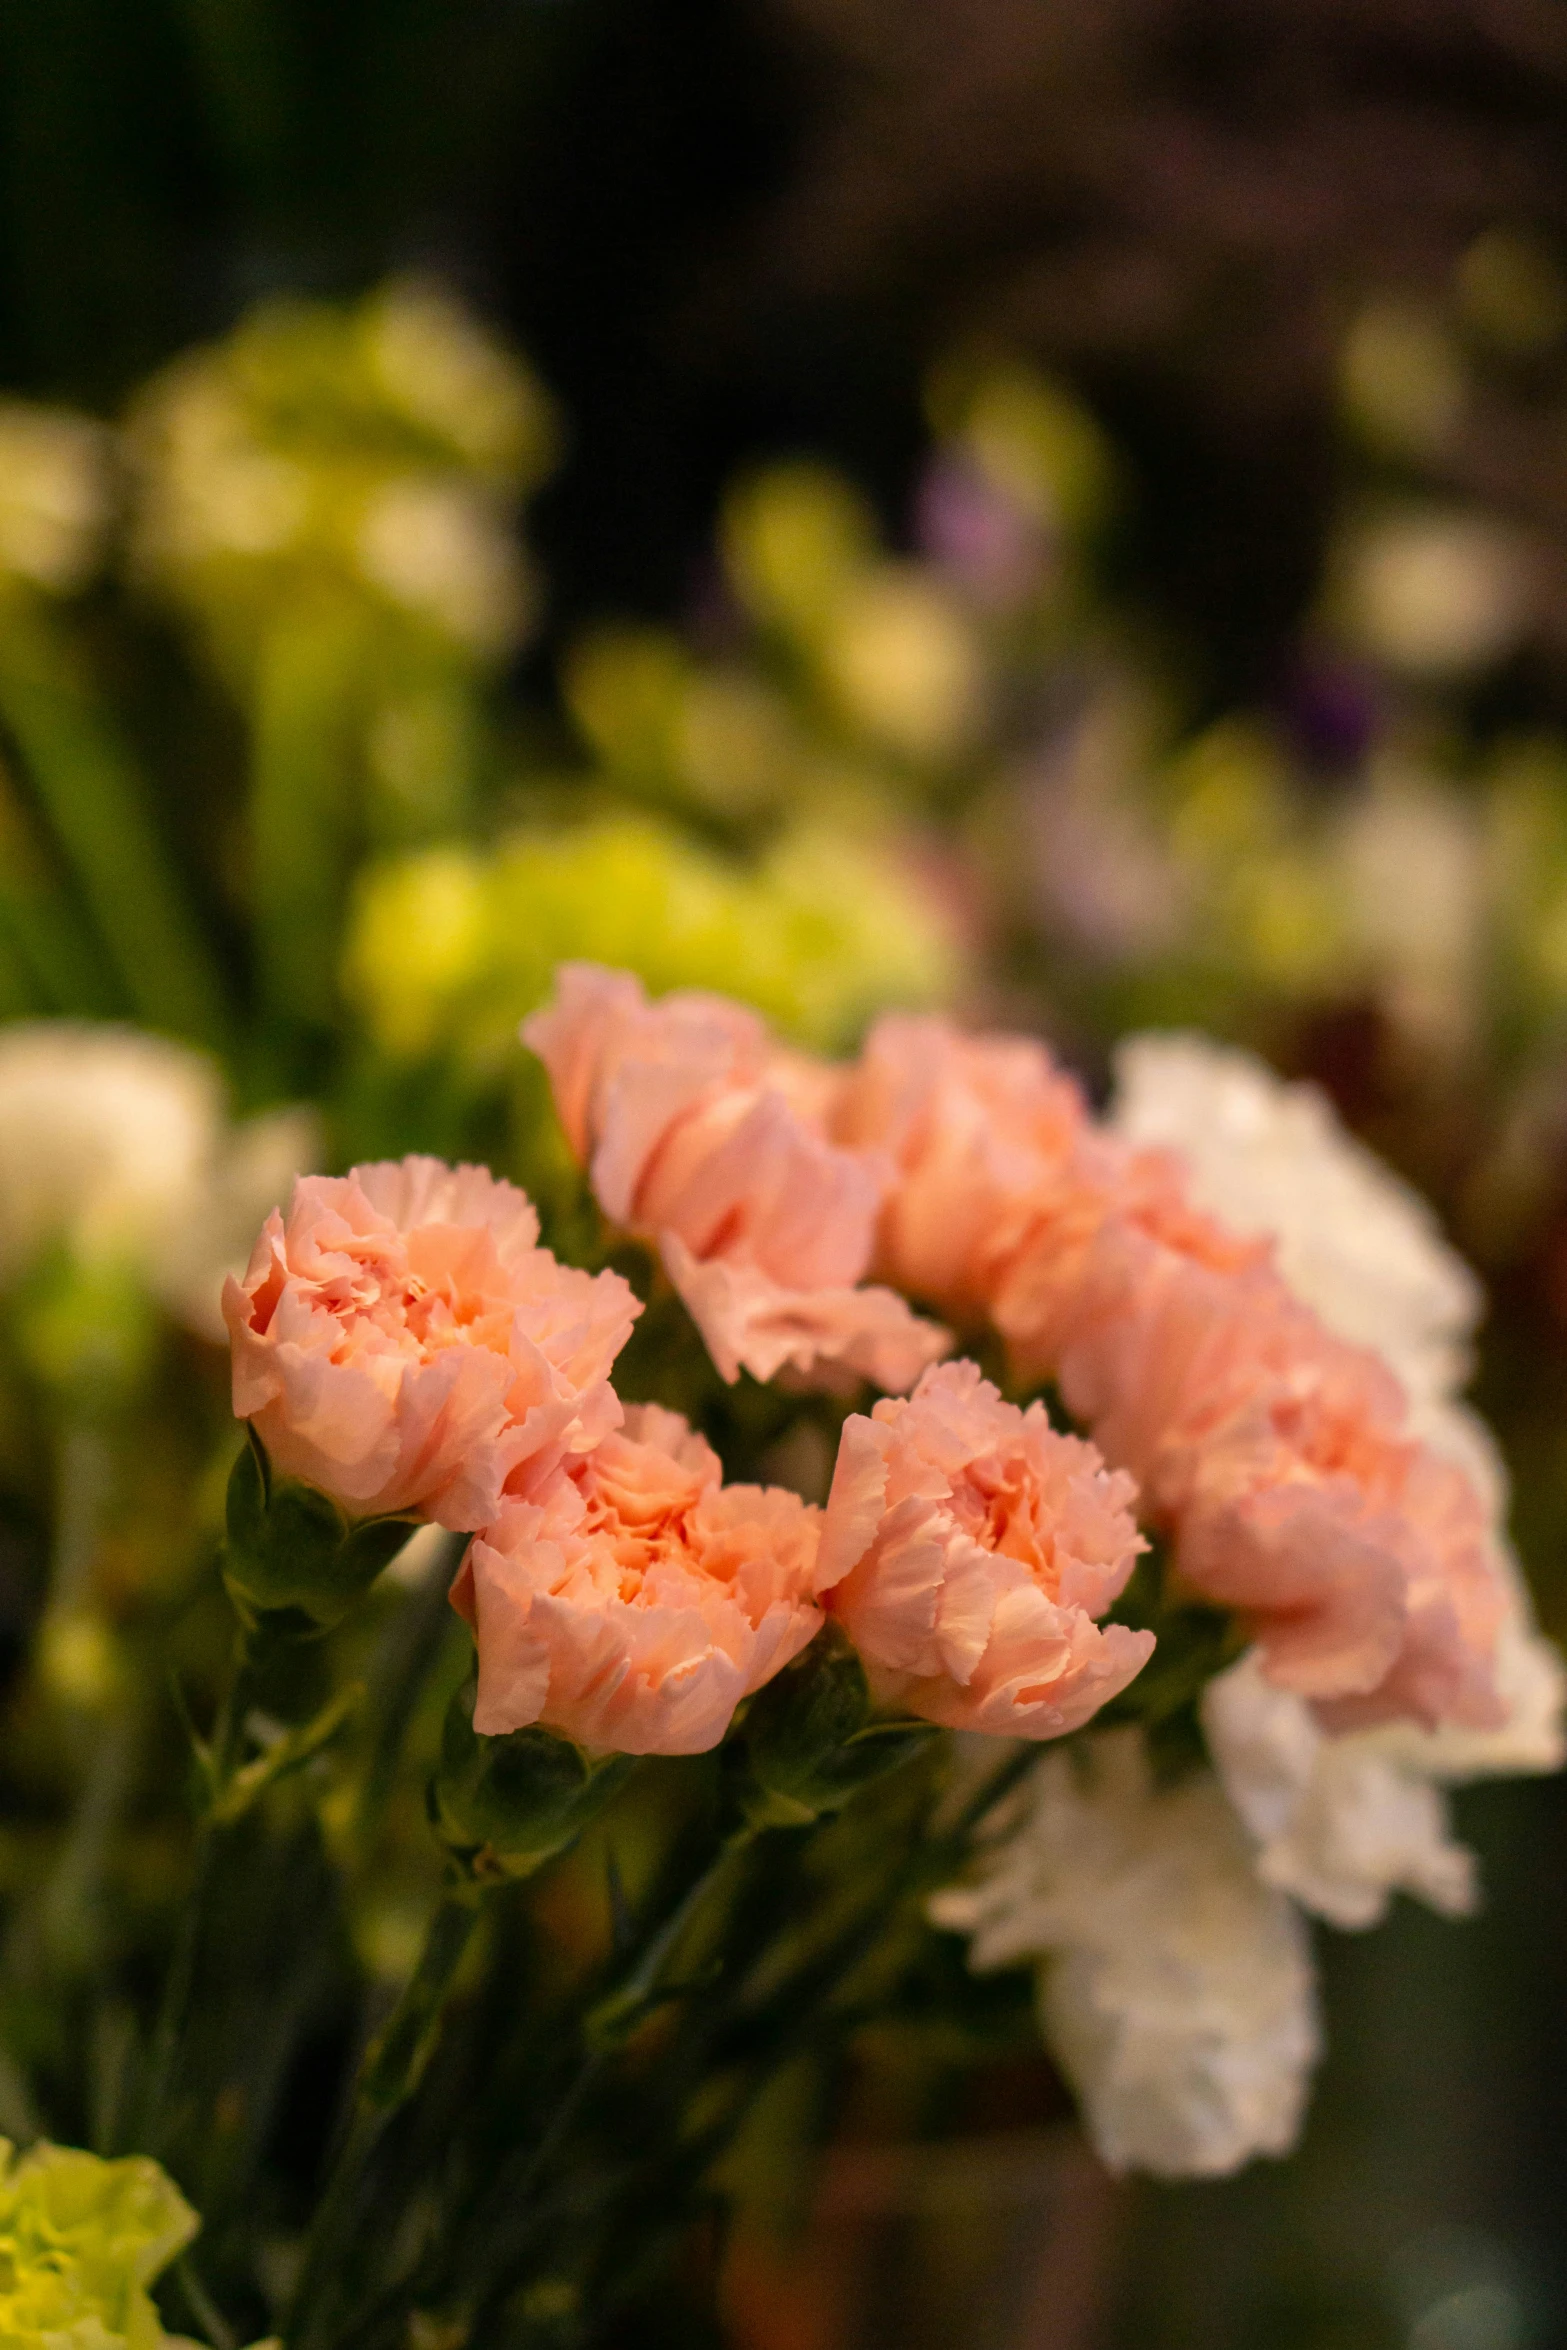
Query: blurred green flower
point(1402, 382)
point(80, 2242)
point(375, 451)
point(887, 649)
point(794, 536)
point(716, 737)
point(903, 666)
point(1266, 898)
point(1434, 592)
point(447, 950)
point(1029, 437)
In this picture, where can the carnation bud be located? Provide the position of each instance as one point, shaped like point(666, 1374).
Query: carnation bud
point(293, 1555)
point(505, 1805)
point(808, 1743)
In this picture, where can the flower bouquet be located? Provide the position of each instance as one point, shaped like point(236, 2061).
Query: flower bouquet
point(863, 1567)
point(627, 1704)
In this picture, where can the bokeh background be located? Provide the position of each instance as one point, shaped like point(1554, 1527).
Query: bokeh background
point(1060, 510)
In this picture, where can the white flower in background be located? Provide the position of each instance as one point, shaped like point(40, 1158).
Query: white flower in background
point(250, 1172)
point(55, 495)
point(1175, 1989)
point(1411, 873)
point(1344, 1823)
point(1436, 592)
point(115, 1145)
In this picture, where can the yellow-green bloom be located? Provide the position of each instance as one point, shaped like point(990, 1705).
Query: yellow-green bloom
point(888, 650)
point(448, 949)
point(1029, 438)
point(80, 2242)
point(371, 452)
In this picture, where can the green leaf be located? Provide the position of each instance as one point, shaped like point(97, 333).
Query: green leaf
point(99, 809)
point(807, 1744)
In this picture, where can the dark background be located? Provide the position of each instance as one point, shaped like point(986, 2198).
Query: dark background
point(724, 229)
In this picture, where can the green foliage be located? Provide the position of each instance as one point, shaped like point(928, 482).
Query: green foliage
point(449, 948)
point(1193, 1642)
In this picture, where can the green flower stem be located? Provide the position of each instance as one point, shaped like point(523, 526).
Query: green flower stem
point(527, 2237)
point(410, 1652)
point(68, 1925)
point(753, 2038)
point(604, 2028)
point(612, 2019)
point(307, 717)
point(395, 2062)
point(397, 2058)
point(953, 1835)
point(390, 2072)
point(99, 809)
point(254, 1648)
point(615, 2015)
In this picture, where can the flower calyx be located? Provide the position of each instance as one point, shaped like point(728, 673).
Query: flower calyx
point(505, 1805)
point(808, 1742)
point(293, 1557)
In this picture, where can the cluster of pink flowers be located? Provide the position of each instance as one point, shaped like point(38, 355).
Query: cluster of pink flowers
point(707, 1138)
point(402, 1341)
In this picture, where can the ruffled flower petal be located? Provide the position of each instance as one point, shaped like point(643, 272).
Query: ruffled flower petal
point(1175, 1990)
point(704, 1137)
point(634, 1599)
point(967, 1549)
point(401, 1342)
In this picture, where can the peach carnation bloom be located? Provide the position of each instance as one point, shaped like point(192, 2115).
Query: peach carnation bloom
point(969, 1547)
point(636, 1599)
point(701, 1135)
point(1280, 1459)
point(991, 1146)
point(402, 1342)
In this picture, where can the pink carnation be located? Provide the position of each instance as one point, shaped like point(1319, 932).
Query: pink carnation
point(1277, 1457)
point(969, 1547)
point(1110, 1199)
point(635, 1600)
point(703, 1137)
point(402, 1342)
point(987, 1138)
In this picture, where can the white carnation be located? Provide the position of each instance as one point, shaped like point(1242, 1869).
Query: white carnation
point(114, 1145)
point(1344, 1823)
point(1338, 1823)
point(1175, 1989)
